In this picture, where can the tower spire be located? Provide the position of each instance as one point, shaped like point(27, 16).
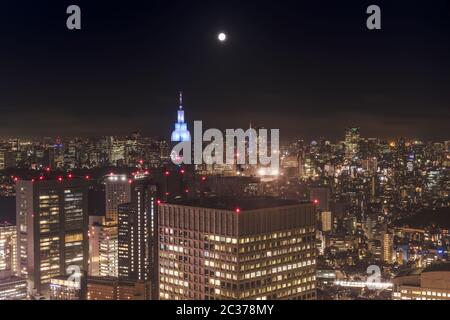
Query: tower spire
point(181, 132)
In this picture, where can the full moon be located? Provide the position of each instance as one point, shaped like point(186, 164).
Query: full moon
point(222, 36)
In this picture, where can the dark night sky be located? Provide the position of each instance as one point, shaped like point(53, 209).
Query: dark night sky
point(309, 69)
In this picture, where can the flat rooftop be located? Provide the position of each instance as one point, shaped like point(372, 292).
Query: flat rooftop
point(438, 267)
point(409, 272)
point(231, 203)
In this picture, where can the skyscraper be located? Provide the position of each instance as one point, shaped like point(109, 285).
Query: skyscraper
point(327, 221)
point(118, 190)
point(352, 139)
point(137, 239)
point(11, 286)
point(126, 237)
point(181, 132)
point(254, 248)
point(52, 225)
point(103, 249)
point(8, 249)
point(388, 247)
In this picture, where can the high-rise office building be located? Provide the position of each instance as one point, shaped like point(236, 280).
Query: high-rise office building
point(117, 190)
point(352, 139)
point(108, 249)
point(13, 288)
point(137, 237)
point(117, 155)
point(103, 249)
point(52, 225)
point(388, 247)
point(2, 159)
point(254, 248)
point(327, 221)
point(8, 159)
point(94, 244)
point(8, 249)
point(125, 245)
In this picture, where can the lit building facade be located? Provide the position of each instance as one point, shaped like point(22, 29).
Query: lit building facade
point(137, 235)
point(13, 288)
point(117, 190)
point(327, 221)
point(352, 140)
point(103, 249)
point(8, 249)
point(52, 225)
point(108, 250)
point(109, 288)
point(125, 240)
point(258, 248)
point(62, 288)
point(431, 283)
point(388, 247)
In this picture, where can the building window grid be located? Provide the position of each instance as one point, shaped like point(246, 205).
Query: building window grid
point(307, 283)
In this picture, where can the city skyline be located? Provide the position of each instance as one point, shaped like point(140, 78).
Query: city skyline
point(232, 152)
point(357, 219)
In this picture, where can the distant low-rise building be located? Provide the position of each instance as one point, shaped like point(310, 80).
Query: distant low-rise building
point(63, 288)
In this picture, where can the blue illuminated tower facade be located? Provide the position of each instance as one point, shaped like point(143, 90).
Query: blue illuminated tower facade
point(181, 132)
